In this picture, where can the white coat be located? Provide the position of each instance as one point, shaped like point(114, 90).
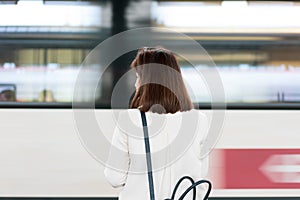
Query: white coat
point(175, 146)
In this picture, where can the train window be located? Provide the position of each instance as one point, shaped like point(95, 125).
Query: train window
point(256, 50)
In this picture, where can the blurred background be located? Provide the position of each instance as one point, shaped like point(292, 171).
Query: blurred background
point(254, 44)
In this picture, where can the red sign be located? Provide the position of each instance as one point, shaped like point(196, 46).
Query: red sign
point(261, 168)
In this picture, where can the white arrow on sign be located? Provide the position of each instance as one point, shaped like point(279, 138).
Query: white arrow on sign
point(282, 168)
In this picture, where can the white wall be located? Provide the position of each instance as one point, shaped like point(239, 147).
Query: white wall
point(41, 154)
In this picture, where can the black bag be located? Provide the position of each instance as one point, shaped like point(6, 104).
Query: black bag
point(150, 176)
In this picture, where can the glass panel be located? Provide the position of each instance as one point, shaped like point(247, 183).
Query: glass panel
point(254, 49)
point(40, 52)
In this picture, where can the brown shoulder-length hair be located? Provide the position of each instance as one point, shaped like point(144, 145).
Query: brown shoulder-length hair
point(161, 88)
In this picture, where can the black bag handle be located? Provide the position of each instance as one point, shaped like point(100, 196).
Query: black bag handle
point(150, 175)
point(179, 182)
point(194, 185)
point(148, 155)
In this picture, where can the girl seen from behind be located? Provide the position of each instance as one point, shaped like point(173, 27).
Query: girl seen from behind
point(175, 146)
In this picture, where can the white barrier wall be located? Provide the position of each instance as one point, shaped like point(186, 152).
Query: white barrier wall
point(41, 154)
